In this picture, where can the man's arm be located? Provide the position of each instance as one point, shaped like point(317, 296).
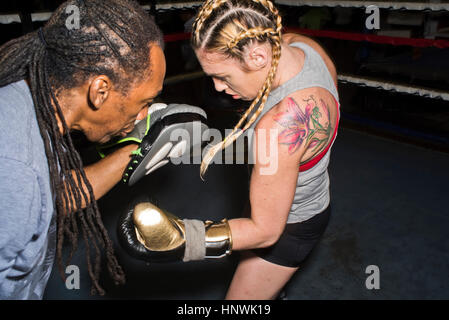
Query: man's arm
point(107, 172)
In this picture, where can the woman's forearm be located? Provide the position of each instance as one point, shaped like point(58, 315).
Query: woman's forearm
point(246, 234)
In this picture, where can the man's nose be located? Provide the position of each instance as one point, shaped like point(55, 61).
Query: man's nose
point(142, 114)
point(219, 85)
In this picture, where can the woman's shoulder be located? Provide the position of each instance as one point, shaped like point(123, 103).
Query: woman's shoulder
point(304, 120)
point(290, 38)
point(299, 101)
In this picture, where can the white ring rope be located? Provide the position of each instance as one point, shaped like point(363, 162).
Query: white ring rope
point(175, 5)
point(14, 17)
point(44, 16)
point(344, 78)
point(420, 6)
point(390, 86)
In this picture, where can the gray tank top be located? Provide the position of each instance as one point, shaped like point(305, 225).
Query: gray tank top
point(312, 188)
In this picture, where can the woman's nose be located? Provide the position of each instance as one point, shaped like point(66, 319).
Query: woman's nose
point(219, 85)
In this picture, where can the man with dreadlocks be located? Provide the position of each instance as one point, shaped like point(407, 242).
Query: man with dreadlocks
point(98, 79)
point(293, 85)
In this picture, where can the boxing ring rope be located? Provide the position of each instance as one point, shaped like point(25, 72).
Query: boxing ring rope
point(373, 38)
point(175, 5)
point(44, 16)
point(15, 18)
point(390, 86)
point(359, 81)
point(419, 6)
point(343, 78)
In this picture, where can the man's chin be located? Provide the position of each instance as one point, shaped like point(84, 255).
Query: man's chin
point(105, 139)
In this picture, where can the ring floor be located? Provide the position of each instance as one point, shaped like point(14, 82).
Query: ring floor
point(389, 209)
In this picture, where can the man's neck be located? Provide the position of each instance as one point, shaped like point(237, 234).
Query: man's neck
point(65, 98)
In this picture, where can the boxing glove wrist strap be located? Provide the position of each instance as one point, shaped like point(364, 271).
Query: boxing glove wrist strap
point(206, 239)
point(195, 235)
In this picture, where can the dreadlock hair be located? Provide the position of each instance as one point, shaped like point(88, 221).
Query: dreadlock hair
point(228, 27)
point(114, 39)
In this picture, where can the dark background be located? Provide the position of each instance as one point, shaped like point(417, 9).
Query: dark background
point(409, 118)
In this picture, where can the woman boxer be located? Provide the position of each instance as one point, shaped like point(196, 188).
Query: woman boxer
point(292, 85)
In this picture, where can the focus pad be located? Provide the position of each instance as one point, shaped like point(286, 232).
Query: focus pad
point(179, 128)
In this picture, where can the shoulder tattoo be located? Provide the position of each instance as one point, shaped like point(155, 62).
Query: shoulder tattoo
point(308, 125)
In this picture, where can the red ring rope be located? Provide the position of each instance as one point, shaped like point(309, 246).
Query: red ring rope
point(396, 41)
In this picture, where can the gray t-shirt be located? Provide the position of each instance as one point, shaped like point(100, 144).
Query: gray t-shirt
point(27, 224)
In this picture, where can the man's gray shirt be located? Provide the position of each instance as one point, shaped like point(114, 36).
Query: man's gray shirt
point(27, 224)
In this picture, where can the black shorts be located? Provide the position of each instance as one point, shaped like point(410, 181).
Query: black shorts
point(297, 241)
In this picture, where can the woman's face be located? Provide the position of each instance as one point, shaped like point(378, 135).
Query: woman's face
point(231, 75)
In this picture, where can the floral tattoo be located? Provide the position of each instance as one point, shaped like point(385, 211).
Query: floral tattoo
point(307, 127)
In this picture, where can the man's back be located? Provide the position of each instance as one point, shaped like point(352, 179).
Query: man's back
point(27, 227)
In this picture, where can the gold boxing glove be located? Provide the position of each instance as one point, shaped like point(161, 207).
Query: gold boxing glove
point(168, 238)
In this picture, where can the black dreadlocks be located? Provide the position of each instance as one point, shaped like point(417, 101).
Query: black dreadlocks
point(113, 39)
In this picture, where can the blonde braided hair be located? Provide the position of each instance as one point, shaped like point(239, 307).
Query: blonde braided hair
point(231, 44)
point(203, 14)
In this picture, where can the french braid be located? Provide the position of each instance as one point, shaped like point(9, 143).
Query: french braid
point(262, 23)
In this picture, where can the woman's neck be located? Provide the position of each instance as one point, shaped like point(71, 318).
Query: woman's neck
point(290, 64)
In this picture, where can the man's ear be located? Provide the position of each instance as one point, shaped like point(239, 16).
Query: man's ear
point(257, 57)
point(99, 91)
